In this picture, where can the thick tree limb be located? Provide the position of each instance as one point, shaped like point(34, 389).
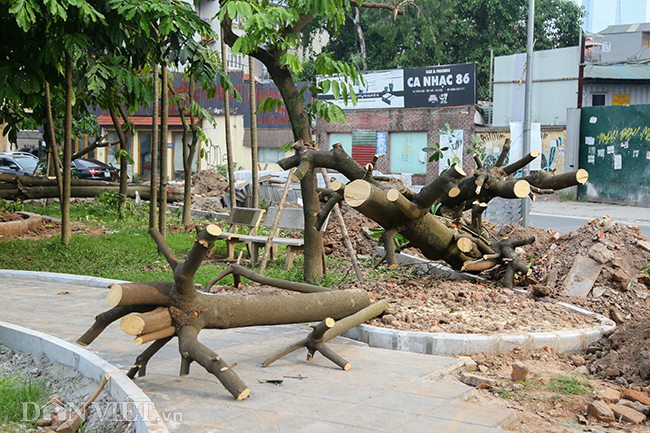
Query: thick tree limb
point(140, 365)
point(267, 281)
point(192, 350)
point(545, 180)
point(156, 293)
point(104, 319)
point(327, 330)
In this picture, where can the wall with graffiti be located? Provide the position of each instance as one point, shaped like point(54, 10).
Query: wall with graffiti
point(553, 146)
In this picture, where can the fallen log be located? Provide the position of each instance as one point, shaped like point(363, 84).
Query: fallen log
point(168, 309)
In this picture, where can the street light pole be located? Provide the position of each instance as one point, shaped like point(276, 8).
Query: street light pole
point(525, 208)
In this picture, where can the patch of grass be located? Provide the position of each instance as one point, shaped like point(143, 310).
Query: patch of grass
point(569, 385)
point(566, 196)
point(16, 390)
point(125, 251)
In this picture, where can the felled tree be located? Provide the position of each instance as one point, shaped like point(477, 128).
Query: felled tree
point(401, 211)
point(162, 310)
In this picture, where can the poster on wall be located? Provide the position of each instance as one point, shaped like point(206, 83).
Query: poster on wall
point(454, 153)
point(517, 143)
point(432, 86)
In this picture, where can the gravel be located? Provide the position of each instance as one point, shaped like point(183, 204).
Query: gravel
point(73, 389)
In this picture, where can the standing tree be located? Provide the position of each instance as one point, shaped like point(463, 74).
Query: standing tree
point(269, 31)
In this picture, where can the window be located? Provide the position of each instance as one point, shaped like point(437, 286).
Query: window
point(598, 100)
point(178, 156)
point(269, 154)
point(111, 150)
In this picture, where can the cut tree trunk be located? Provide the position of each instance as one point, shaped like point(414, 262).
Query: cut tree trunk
point(167, 309)
point(400, 211)
point(77, 190)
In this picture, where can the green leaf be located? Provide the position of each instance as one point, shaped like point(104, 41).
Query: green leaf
point(336, 90)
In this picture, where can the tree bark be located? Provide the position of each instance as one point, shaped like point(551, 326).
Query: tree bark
point(21, 192)
point(67, 154)
point(253, 109)
point(155, 142)
point(226, 102)
point(162, 194)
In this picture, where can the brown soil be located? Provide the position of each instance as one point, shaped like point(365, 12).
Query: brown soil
point(7, 217)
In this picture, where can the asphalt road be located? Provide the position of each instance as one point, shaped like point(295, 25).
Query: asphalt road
point(565, 224)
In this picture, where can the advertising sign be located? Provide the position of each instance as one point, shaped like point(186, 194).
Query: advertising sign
point(433, 86)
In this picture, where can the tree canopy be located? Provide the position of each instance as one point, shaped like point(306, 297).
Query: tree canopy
point(453, 31)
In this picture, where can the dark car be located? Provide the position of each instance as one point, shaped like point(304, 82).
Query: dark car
point(86, 168)
point(17, 165)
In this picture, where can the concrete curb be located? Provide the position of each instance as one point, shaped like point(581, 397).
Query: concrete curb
point(440, 343)
point(443, 343)
point(145, 416)
point(53, 277)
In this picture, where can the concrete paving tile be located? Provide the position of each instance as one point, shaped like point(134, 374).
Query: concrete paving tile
point(206, 411)
point(437, 425)
point(451, 391)
point(185, 427)
point(263, 421)
point(405, 402)
point(373, 418)
point(343, 392)
point(371, 379)
point(261, 395)
point(331, 427)
point(474, 413)
point(193, 388)
point(310, 407)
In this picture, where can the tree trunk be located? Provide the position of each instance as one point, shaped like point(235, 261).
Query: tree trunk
point(226, 102)
point(67, 155)
point(125, 138)
point(362, 39)
point(253, 109)
point(155, 142)
point(122, 137)
point(162, 195)
point(53, 166)
point(78, 189)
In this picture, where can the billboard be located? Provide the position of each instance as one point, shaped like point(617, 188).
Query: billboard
point(432, 86)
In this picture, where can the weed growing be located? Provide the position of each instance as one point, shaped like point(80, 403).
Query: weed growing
point(16, 389)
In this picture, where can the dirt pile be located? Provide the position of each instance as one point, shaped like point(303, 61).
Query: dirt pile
point(209, 183)
point(358, 229)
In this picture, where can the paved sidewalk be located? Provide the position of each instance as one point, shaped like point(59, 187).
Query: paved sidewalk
point(385, 391)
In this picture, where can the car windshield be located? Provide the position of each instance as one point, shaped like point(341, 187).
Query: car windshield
point(27, 163)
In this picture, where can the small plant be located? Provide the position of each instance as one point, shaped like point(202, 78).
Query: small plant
point(109, 199)
point(569, 385)
point(399, 240)
point(436, 148)
point(16, 389)
point(646, 270)
point(566, 196)
point(10, 206)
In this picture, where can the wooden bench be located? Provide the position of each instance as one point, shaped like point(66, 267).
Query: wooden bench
point(290, 219)
point(240, 216)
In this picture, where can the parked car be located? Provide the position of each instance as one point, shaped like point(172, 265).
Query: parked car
point(87, 168)
point(17, 164)
point(22, 153)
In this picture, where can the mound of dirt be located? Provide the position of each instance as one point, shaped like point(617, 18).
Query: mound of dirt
point(209, 183)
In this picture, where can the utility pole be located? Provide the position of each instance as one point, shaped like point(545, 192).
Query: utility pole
point(525, 205)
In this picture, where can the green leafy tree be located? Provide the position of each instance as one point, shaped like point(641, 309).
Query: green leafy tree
point(268, 31)
point(454, 31)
